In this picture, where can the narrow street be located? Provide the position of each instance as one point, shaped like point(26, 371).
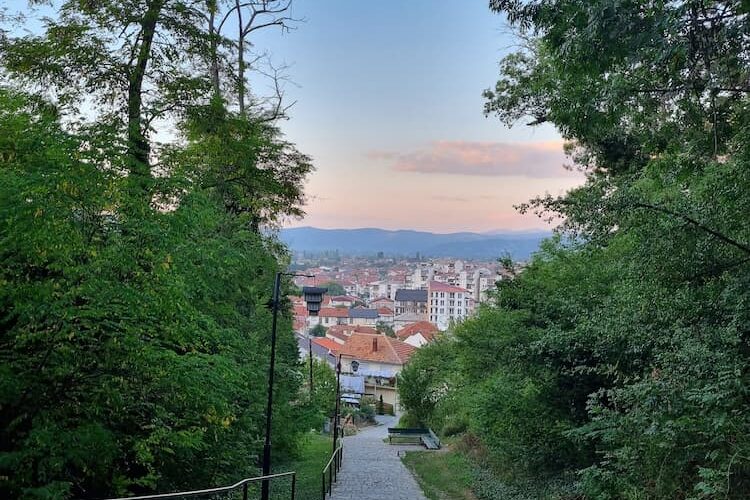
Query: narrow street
point(372, 469)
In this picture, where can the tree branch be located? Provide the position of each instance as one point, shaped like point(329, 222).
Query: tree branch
point(726, 239)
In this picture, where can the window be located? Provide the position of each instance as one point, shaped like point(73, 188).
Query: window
point(442, 310)
point(451, 295)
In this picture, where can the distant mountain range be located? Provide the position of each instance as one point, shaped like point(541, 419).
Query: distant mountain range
point(370, 241)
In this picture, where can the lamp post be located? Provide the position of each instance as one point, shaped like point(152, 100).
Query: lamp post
point(313, 296)
point(309, 352)
point(338, 399)
point(313, 309)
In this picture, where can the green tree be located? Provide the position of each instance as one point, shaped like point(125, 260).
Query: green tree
point(318, 330)
point(126, 363)
point(385, 329)
point(620, 352)
point(133, 329)
point(334, 288)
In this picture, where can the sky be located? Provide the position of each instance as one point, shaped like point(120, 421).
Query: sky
point(389, 105)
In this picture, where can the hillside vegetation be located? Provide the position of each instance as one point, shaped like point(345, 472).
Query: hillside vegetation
point(134, 274)
point(620, 356)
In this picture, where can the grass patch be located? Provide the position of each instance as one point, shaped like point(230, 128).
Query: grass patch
point(314, 454)
point(451, 475)
point(441, 475)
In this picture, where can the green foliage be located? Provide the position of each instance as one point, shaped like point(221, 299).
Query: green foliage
point(385, 329)
point(134, 276)
point(619, 354)
point(318, 330)
point(334, 288)
point(425, 384)
point(315, 450)
point(245, 162)
point(362, 415)
point(324, 395)
point(134, 351)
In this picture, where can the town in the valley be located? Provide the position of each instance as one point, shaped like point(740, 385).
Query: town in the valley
point(376, 311)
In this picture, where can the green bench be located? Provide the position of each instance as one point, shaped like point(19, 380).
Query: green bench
point(425, 437)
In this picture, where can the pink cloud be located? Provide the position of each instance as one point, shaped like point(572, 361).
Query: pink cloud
point(539, 159)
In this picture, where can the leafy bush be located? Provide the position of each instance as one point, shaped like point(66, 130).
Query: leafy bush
point(134, 348)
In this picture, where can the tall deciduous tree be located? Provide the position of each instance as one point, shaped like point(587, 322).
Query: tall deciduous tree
point(620, 354)
point(133, 329)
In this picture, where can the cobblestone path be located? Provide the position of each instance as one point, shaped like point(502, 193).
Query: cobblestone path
point(372, 469)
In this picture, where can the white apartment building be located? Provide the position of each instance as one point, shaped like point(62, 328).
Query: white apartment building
point(447, 303)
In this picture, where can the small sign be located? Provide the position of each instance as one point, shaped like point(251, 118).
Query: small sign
point(355, 366)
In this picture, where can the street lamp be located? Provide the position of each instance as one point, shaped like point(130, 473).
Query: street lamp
point(313, 298)
point(338, 400)
point(275, 307)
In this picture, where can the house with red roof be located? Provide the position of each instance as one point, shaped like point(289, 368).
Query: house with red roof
point(341, 333)
point(378, 359)
point(343, 301)
point(382, 302)
point(385, 315)
point(329, 316)
point(418, 334)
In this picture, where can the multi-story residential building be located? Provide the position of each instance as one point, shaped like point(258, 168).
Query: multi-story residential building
point(448, 304)
point(411, 301)
point(349, 287)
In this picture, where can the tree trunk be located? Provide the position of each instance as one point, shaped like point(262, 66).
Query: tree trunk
point(138, 148)
point(240, 59)
point(214, 47)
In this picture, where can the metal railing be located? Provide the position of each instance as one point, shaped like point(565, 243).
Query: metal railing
point(331, 470)
point(235, 491)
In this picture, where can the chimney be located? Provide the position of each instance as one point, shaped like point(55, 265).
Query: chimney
point(374, 344)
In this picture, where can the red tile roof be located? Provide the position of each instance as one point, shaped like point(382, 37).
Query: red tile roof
point(329, 344)
point(427, 329)
point(335, 334)
point(385, 311)
point(347, 330)
point(377, 348)
point(436, 286)
point(333, 312)
point(342, 298)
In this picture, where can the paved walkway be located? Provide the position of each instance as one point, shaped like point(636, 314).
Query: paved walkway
point(372, 470)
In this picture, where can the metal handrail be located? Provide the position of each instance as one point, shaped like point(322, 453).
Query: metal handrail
point(224, 489)
point(336, 461)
